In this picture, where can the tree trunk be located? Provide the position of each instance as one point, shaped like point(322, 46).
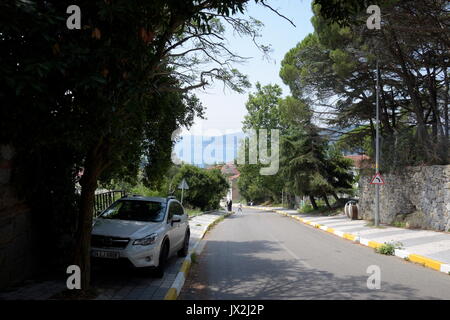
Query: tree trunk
point(88, 184)
point(313, 203)
point(335, 196)
point(327, 202)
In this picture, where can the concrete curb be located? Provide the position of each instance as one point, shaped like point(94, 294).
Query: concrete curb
point(404, 254)
point(174, 291)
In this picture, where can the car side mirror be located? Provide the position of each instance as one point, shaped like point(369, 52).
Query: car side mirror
point(176, 219)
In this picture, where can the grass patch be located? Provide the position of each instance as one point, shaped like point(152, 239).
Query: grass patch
point(307, 208)
point(194, 257)
point(388, 248)
point(322, 211)
point(215, 222)
point(193, 212)
point(399, 224)
point(371, 224)
point(212, 225)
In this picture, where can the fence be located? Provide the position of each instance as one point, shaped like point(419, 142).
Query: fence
point(105, 199)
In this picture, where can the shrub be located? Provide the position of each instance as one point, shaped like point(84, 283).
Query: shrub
point(388, 248)
point(305, 208)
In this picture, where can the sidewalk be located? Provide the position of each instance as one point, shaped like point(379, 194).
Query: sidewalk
point(430, 248)
point(116, 284)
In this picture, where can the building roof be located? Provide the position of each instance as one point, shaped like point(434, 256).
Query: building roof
point(360, 160)
point(227, 169)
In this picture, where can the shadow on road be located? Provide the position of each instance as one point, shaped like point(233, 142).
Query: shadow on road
point(258, 270)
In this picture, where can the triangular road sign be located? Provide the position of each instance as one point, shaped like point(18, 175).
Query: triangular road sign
point(183, 185)
point(377, 179)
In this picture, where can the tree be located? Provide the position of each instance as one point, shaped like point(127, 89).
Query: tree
point(109, 92)
point(335, 68)
point(262, 108)
point(310, 165)
point(206, 186)
point(263, 113)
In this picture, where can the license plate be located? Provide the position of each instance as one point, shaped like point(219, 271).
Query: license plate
point(105, 254)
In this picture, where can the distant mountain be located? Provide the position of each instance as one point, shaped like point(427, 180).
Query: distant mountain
point(203, 151)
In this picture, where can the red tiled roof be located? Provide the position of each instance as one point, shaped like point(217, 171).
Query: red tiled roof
point(359, 161)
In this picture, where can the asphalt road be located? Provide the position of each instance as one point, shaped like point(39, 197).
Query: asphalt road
point(263, 255)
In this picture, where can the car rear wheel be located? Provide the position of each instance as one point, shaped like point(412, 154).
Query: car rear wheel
point(183, 252)
point(163, 256)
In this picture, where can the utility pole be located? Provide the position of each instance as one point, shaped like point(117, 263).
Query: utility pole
point(377, 152)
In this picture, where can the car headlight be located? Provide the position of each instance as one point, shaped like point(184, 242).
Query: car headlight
point(148, 240)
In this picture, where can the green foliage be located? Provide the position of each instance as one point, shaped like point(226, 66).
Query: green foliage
point(262, 108)
point(335, 67)
point(194, 258)
point(263, 113)
point(388, 248)
point(309, 164)
point(193, 212)
point(83, 106)
point(399, 224)
point(206, 187)
point(305, 208)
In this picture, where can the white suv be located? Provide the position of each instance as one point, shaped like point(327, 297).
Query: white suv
point(143, 230)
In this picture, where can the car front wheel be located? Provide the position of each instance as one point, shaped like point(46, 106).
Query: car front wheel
point(163, 256)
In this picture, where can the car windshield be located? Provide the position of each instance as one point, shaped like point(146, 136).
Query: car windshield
point(135, 210)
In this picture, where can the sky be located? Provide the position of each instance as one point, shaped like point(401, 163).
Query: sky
point(225, 110)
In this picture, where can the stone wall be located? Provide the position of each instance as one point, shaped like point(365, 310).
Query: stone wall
point(419, 197)
point(16, 261)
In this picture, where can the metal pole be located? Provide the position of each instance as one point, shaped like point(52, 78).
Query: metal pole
point(182, 190)
point(377, 154)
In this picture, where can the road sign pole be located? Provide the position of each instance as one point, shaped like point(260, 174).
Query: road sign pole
point(377, 153)
point(183, 185)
